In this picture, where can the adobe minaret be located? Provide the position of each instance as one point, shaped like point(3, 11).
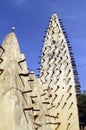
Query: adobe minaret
point(58, 73)
point(57, 63)
point(44, 103)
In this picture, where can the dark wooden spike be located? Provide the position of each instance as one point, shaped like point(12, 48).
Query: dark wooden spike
point(64, 105)
point(1, 60)
point(37, 124)
point(71, 105)
point(30, 80)
point(1, 71)
point(24, 74)
point(45, 102)
point(32, 101)
point(28, 109)
point(51, 116)
point(33, 96)
point(35, 117)
point(29, 91)
point(51, 123)
point(70, 116)
point(21, 61)
point(43, 94)
point(36, 109)
point(2, 50)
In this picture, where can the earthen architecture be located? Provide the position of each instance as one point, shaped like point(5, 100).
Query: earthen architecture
point(47, 102)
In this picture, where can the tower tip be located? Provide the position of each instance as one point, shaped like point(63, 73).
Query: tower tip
point(54, 16)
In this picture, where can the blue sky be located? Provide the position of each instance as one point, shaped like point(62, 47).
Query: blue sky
point(31, 18)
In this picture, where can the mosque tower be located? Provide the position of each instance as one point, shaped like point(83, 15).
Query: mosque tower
point(58, 72)
point(58, 67)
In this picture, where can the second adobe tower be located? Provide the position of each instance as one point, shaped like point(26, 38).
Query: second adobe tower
point(58, 67)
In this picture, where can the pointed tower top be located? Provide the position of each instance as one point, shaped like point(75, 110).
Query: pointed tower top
point(54, 16)
point(10, 44)
point(9, 37)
